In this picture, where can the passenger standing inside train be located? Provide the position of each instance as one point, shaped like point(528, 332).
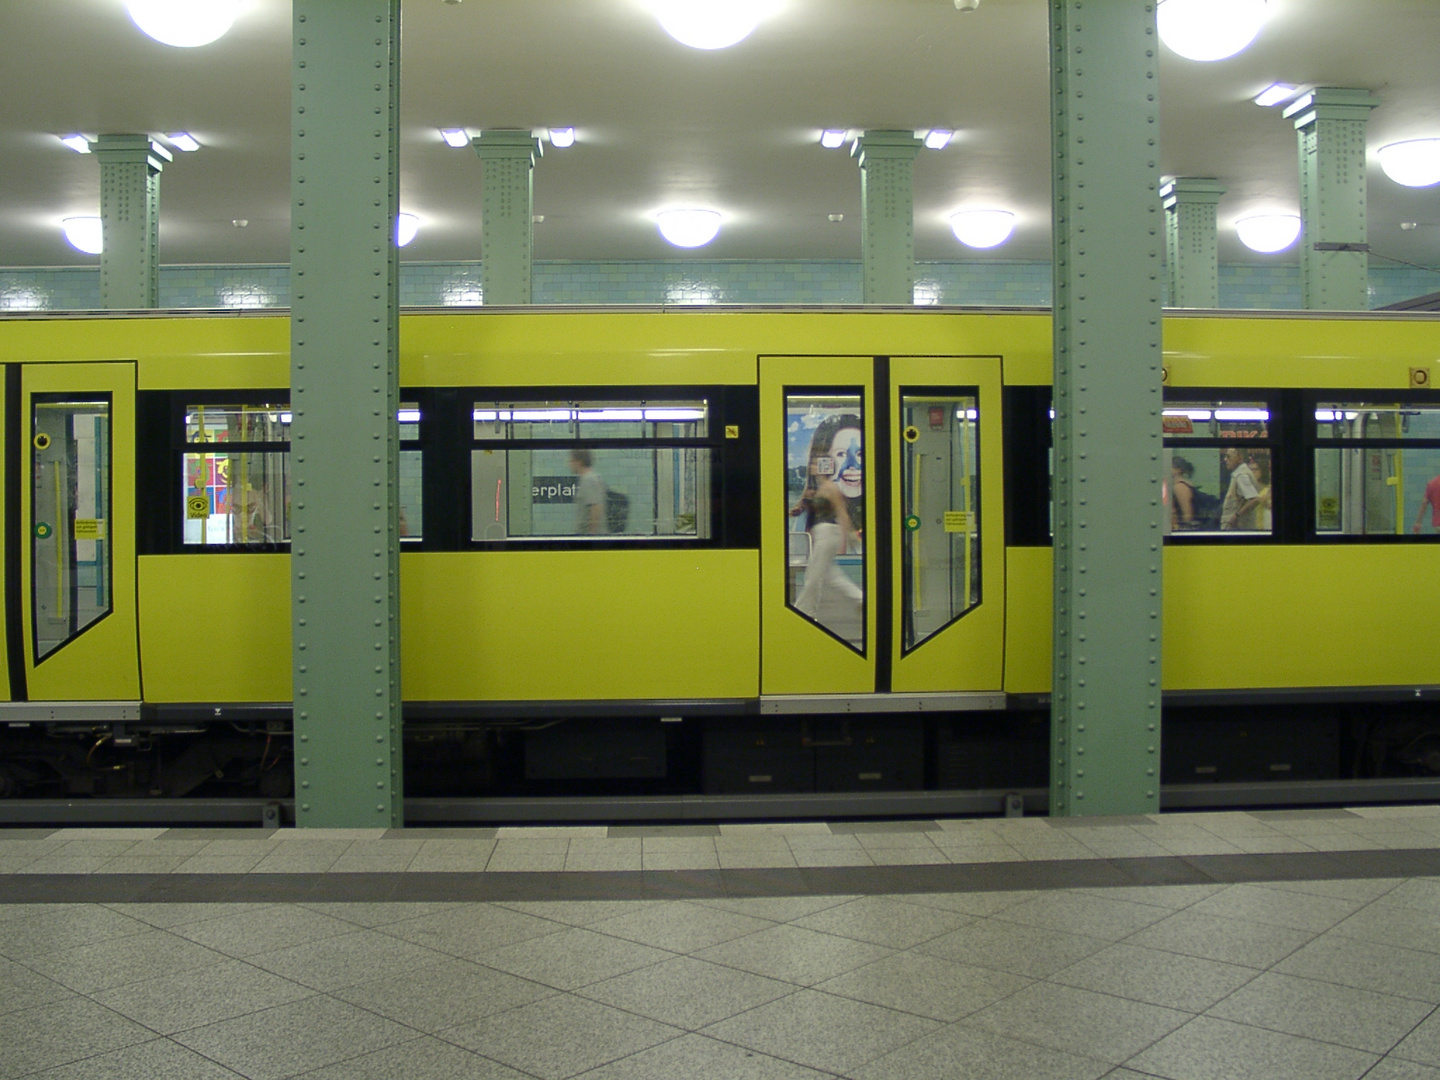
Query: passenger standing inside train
point(1242, 497)
point(1260, 468)
point(833, 508)
point(589, 494)
point(1182, 494)
point(1431, 502)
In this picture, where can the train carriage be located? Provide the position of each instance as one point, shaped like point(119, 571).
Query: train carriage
point(735, 562)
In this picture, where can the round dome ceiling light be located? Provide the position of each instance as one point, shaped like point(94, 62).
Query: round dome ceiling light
point(1415, 163)
point(406, 226)
point(711, 24)
point(84, 234)
point(1209, 29)
point(688, 228)
point(184, 23)
point(982, 228)
point(1268, 233)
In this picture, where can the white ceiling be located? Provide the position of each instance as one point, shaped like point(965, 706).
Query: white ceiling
point(660, 124)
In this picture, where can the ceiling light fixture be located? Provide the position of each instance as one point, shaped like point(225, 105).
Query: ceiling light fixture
point(688, 228)
point(182, 140)
point(831, 138)
point(406, 226)
point(184, 24)
point(1268, 233)
point(1414, 163)
point(711, 24)
point(79, 143)
point(85, 234)
point(938, 138)
point(560, 138)
point(457, 138)
point(1275, 94)
point(982, 228)
point(1209, 29)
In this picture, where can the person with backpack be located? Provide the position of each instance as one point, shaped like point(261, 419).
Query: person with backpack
point(590, 502)
point(1190, 507)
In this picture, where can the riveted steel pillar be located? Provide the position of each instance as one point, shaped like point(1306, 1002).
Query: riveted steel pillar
point(344, 441)
point(1192, 258)
point(887, 214)
point(1334, 243)
point(507, 201)
point(130, 167)
point(1105, 712)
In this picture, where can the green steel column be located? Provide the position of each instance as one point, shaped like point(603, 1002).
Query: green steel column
point(130, 167)
point(887, 214)
point(1105, 712)
point(507, 230)
point(1192, 258)
point(1334, 247)
point(344, 343)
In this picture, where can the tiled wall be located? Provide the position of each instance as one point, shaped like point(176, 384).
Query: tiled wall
point(990, 283)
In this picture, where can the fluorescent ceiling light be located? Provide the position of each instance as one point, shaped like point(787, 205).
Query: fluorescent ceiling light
point(184, 23)
point(831, 138)
point(408, 416)
point(406, 226)
point(183, 140)
point(711, 24)
point(688, 228)
point(562, 137)
point(1242, 414)
point(1268, 233)
point(1209, 29)
point(85, 234)
point(982, 228)
point(1415, 163)
point(938, 139)
point(455, 137)
point(1274, 94)
point(79, 143)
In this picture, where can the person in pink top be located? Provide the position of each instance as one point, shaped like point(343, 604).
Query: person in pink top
point(1432, 502)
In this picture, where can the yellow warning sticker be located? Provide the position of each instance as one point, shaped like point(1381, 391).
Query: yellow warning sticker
point(89, 529)
point(957, 521)
point(732, 431)
point(197, 506)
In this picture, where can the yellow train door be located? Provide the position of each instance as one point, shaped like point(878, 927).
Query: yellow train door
point(882, 529)
point(77, 532)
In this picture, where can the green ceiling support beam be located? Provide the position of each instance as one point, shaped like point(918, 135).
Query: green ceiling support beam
point(1192, 258)
point(507, 203)
point(130, 167)
point(1108, 239)
point(344, 337)
point(1334, 241)
point(887, 214)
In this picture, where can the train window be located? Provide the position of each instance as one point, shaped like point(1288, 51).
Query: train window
point(1221, 472)
point(70, 518)
point(940, 477)
point(825, 494)
point(235, 475)
point(412, 459)
point(542, 470)
point(1377, 469)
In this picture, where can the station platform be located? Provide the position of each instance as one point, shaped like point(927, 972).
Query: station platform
point(1292, 943)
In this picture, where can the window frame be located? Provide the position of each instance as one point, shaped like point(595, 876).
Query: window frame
point(1311, 442)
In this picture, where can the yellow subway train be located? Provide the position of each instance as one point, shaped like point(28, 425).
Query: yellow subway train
point(712, 562)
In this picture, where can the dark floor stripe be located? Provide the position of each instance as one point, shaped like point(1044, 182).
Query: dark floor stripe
point(703, 884)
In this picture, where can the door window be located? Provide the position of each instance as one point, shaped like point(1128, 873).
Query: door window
point(70, 518)
point(824, 494)
point(940, 474)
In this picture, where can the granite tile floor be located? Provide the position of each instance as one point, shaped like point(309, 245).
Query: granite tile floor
point(1207, 946)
